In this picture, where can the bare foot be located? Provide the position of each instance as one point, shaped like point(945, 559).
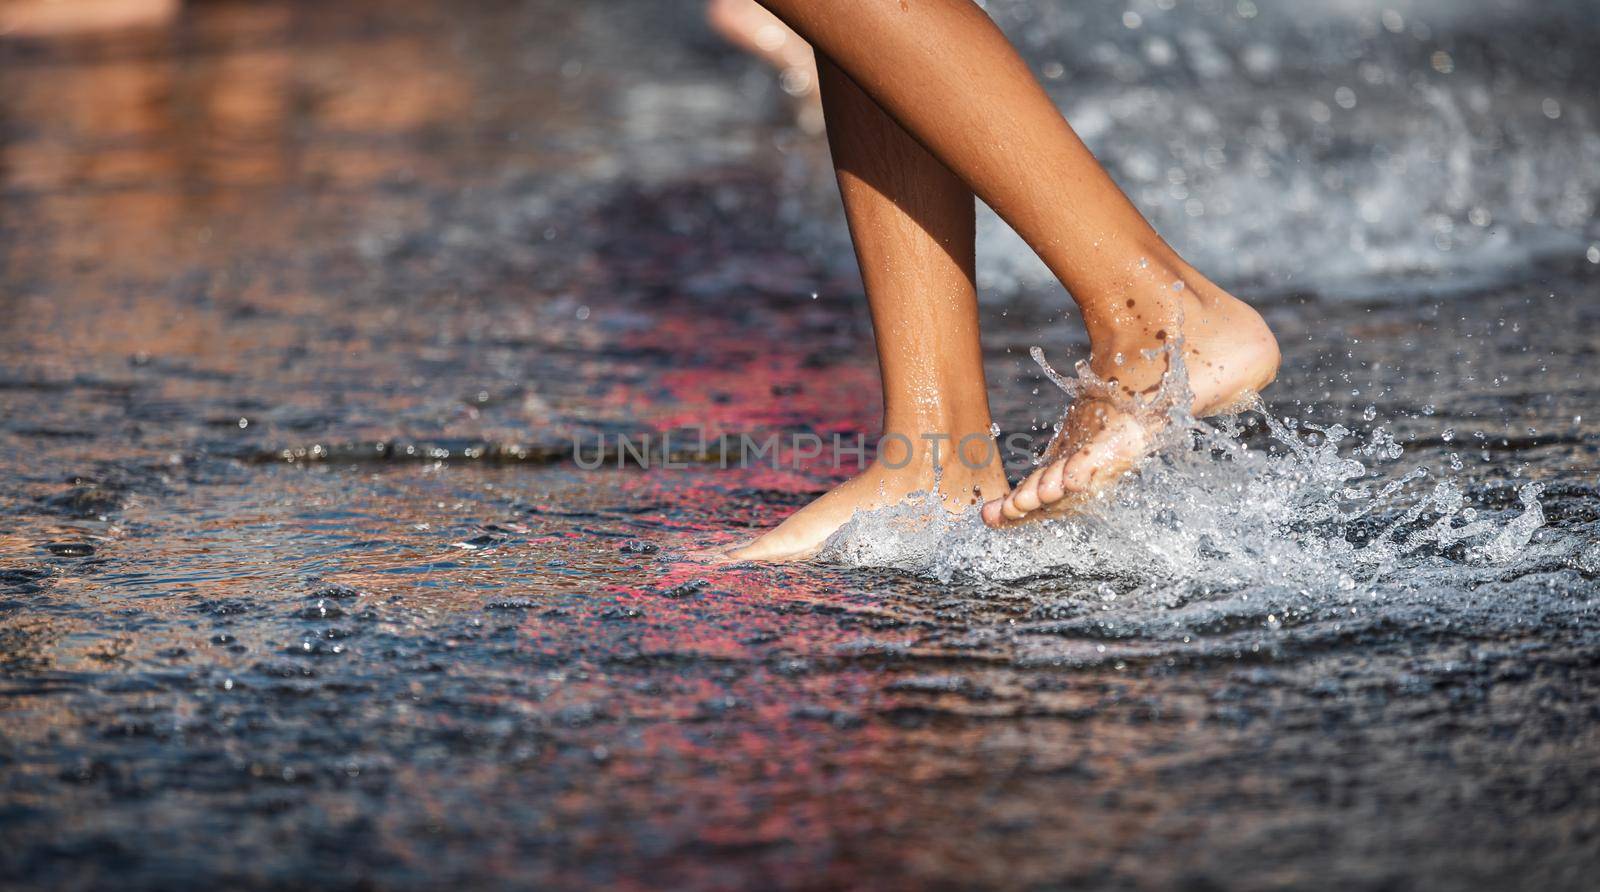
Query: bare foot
point(64, 18)
point(1226, 347)
point(879, 486)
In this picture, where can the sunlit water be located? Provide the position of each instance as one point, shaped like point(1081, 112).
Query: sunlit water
point(1350, 148)
point(1307, 528)
point(1343, 146)
point(306, 304)
point(1209, 510)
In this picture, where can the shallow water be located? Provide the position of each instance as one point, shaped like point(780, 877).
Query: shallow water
point(300, 584)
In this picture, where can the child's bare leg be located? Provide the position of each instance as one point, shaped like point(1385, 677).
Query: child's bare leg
point(912, 223)
point(946, 73)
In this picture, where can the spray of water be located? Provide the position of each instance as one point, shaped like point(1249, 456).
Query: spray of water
point(1313, 507)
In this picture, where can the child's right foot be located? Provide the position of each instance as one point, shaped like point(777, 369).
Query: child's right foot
point(1230, 355)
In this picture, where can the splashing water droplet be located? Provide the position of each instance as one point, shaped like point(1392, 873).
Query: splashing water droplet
point(1208, 510)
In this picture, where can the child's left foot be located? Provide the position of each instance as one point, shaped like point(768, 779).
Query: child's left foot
point(1227, 348)
point(878, 486)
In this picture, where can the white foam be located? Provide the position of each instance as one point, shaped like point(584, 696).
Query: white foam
point(1320, 508)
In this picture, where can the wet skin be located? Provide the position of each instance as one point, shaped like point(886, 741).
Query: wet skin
point(912, 224)
point(940, 76)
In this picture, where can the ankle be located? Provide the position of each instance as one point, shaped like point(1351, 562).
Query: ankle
point(1160, 303)
point(947, 424)
point(1130, 336)
point(952, 450)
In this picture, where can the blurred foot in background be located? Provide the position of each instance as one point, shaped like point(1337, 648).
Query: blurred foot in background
point(65, 18)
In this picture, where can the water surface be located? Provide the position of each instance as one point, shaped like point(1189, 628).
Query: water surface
point(306, 304)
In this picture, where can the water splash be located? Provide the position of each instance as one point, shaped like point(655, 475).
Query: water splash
point(1314, 506)
point(1163, 410)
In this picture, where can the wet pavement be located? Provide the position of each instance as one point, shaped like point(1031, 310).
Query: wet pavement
point(306, 308)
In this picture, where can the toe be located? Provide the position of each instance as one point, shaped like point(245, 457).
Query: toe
point(1025, 497)
point(1009, 509)
point(991, 512)
point(1051, 489)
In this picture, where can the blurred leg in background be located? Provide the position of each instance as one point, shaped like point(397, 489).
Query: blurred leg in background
point(750, 27)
